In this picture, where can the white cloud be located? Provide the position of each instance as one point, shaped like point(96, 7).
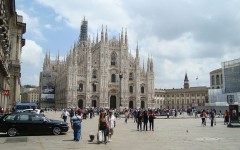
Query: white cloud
point(33, 26)
point(48, 26)
point(32, 54)
point(32, 60)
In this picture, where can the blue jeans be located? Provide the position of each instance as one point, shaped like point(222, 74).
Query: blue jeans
point(77, 131)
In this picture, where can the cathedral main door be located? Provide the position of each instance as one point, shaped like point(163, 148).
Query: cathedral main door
point(113, 103)
point(130, 104)
point(142, 104)
point(80, 103)
point(94, 103)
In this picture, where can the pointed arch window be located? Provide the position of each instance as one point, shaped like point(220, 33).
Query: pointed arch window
point(131, 76)
point(142, 89)
point(94, 87)
point(130, 89)
point(113, 78)
point(94, 74)
point(113, 59)
point(80, 87)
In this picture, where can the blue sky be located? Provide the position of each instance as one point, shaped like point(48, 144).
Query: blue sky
point(192, 36)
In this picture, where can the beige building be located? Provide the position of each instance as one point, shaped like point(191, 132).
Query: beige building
point(11, 30)
point(216, 79)
point(30, 95)
point(182, 98)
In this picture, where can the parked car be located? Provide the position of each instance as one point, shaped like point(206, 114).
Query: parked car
point(30, 123)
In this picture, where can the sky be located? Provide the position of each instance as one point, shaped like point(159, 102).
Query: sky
point(181, 36)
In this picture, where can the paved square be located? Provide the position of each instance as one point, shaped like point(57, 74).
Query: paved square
point(170, 134)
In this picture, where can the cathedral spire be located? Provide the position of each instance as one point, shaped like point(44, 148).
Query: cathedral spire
point(97, 37)
point(148, 64)
point(106, 35)
point(126, 38)
point(122, 37)
point(143, 66)
point(151, 64)
point(102, 35)
point(137, 51)
point(84, 31)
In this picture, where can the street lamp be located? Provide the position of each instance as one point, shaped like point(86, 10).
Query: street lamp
point(120, 77)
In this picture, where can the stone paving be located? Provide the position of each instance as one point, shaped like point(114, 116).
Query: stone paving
point(184, 133)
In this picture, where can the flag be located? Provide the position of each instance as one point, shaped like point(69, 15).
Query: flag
point(197, 78)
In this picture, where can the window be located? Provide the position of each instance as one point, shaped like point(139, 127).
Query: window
point(213, 80)
point(142, 89)
point(36, 118)
point(131, 89)
point(113, 59)
point(130, 76)
point(24, 118)
point(94, 87)
point(217, 80)
point(113, 78)
point(80, 87)
point(11, 117)
point(94, 74)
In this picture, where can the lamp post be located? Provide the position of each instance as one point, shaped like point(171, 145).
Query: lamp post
point(120, 77)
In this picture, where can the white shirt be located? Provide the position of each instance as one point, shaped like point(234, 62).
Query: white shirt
point(111, 121)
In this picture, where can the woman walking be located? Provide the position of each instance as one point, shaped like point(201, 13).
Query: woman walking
point(76, 126)
point(226, 117)
point(103, 126)
point(203, 116)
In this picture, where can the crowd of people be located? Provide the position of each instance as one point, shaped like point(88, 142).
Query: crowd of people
point(144, 119)
point(212, 114)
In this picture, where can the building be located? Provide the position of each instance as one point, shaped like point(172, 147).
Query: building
point(183, 98)
point(11, 30)
point(216, 79)
point(30, 95)
point(47, 82)
point(231, 76)
point(102, 73)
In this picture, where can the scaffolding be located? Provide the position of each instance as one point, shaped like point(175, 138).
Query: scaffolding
point(231, 76)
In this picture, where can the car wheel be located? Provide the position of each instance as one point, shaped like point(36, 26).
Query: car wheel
point(12, 132)
point(57, 130)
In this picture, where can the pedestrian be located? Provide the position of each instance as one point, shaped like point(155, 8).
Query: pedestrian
point(226, 117)
point(42, 112)
point(211, 117)
point(76, 126)
point(139, 120)
point(64, 115)
point(126, 115)
point(34, 110)
point(71, 114)
point(203, 116)
point(145, 120)
point(151, 120)
point(112, 124)
point(103, 126)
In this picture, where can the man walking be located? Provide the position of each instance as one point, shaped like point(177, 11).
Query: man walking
point(112, 124)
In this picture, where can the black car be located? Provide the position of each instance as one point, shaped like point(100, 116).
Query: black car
point(30, 123)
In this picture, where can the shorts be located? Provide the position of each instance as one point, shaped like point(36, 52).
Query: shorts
point(111, 131)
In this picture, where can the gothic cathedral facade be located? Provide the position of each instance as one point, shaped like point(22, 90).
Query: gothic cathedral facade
point(102, 73)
